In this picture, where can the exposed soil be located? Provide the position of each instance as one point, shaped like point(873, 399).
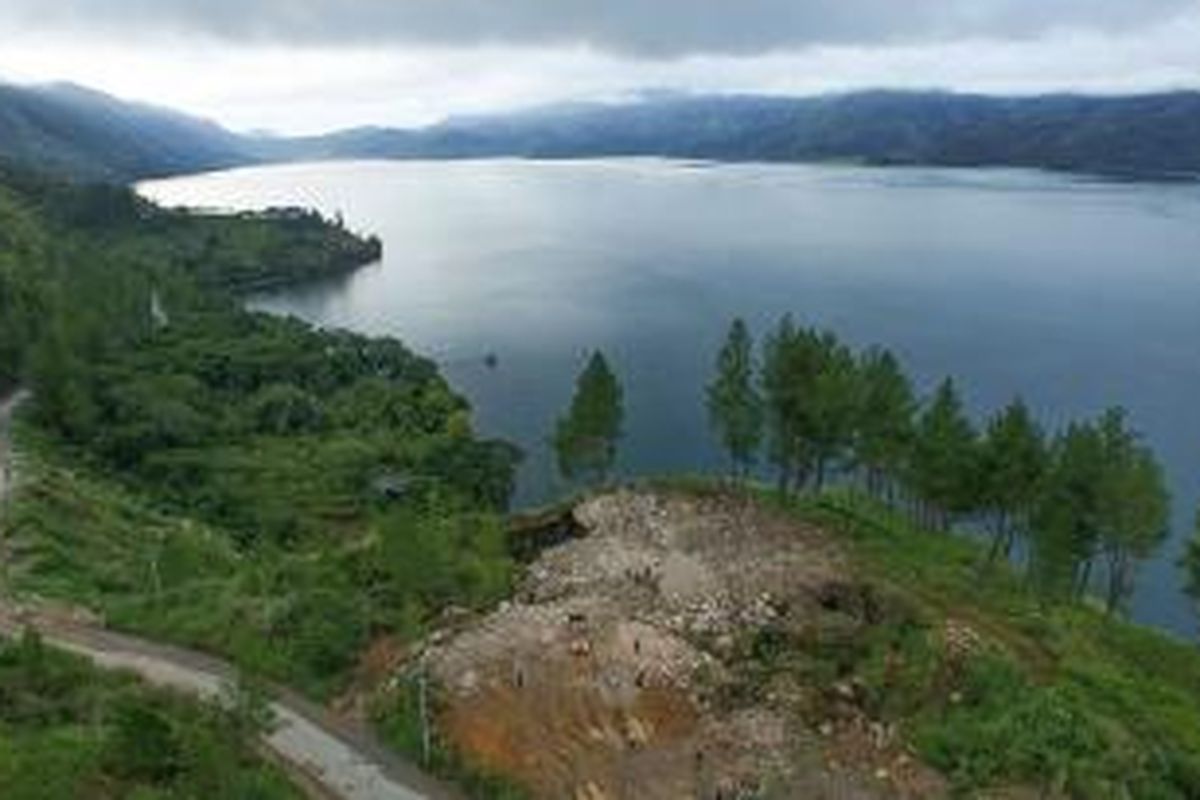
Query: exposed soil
point(619, 669)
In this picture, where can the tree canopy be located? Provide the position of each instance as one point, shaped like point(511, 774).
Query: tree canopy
point(735, 407)
point(585, 439)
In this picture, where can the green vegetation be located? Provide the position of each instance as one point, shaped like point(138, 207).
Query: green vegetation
point(69, 730)
point(734, 403)
point(399, 720)
point(1013, 460)
point(77, 131)
point(884, 431)
point(585, 440)
point(71, 130)
point(1095, 495)
point(238, 482)
point(994, 670)
point(21, 240)
point(1149, 136)
point(1005, 693)
point(808, 384)
point(260, 249)
point(301, 612)
point(1058, 696)
point(282, 495)
point(1103, 496)
point(1191, 564)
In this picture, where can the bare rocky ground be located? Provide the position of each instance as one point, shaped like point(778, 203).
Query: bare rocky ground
point(619, 669)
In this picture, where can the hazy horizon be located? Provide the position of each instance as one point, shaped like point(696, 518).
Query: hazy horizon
point(633, 96)
point(312, 66)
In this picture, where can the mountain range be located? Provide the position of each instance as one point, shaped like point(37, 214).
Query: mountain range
point(90, 135)
point(80, 132)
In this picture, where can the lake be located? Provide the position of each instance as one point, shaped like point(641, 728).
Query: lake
point(1076, 294)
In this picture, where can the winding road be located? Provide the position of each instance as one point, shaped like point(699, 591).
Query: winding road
point(329, 759)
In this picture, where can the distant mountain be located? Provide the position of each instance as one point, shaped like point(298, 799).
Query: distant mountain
point(76, 131)
point(1148, 136)
point(91, 135)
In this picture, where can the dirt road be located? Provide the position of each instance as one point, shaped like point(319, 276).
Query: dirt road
point(331, 759)
point(343, 762)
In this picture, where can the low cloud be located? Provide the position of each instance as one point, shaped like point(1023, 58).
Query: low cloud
point(643, 28)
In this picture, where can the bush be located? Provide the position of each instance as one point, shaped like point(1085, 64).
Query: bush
point(1008, 730)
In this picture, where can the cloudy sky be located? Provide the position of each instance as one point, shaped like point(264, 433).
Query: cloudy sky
point(314, 65)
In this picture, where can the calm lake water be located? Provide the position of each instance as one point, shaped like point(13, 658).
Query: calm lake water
point(1075, 294)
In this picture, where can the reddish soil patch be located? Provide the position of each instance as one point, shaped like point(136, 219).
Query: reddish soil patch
point(615, 672)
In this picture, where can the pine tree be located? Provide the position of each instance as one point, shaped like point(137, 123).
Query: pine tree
point(1133, 506)
point(1066, 520)
point(1191, 565)
point(830, 416)
point(1012, 464)
point(585, 440)
point(735, 408)
point(61, 396)
point(812, 395)
point(944, 459)
point(885, 419)
point(782, 394)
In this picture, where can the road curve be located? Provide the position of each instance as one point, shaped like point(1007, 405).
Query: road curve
point(333, 759)
point(344, 761)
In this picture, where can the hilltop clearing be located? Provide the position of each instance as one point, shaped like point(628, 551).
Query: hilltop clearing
point(631, 657)
point(712, 644)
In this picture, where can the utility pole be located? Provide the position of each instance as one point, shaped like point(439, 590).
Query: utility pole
point(423, 704)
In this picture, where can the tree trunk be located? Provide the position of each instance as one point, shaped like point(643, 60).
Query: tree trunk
point(1085, 578)
point(1000, 537)
point(801, 477)
point(1118, 576)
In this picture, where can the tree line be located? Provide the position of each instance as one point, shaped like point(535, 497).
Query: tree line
point(1076, 507)
point(1090, 494)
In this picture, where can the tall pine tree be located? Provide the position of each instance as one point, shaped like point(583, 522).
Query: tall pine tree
point(885, 420)
point(944, 459)
point(783, 395)
point(832, 412)
point(1066, 520)
point(1012, 464)
point(585, 440)
point(735, 408)
point(1133, 507)
point(1191, 565)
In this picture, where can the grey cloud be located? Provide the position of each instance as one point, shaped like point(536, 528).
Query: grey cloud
point(657, 28)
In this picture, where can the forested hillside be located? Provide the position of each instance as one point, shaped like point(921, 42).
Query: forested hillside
point(72, 130)
point(1150, 136)
point(230, 480)
point(87, 134)
point(315, 505)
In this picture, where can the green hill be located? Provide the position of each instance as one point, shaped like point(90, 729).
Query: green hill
point(76, 131)
point(87, 134)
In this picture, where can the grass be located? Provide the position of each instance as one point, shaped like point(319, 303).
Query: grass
point(1058, 697)
point(300, 614)
point(70, 730)
point(396, 713)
